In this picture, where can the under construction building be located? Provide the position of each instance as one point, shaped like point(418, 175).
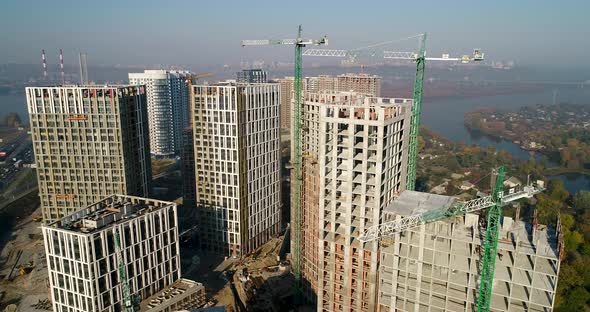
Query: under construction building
point(360, 83)
point(436, 266)
point(354, 161)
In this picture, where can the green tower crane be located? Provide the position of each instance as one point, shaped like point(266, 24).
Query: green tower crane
point(127, 298)
point(299, 43)
point(494, 202)
point(490, 244)
point(420, 59)
point(416, 112)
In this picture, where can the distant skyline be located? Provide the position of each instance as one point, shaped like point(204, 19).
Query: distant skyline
point(198, 33)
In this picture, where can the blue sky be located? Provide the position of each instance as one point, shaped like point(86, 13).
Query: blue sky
point(208, 32)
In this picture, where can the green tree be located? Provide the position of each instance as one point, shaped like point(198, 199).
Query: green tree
point(567, 221)
point(575, 300)
point(421, 144)
point(572, 240)
point(583, 224)
point(557, 190)
point(582, 201)
point(530, 167)
point(547, 208)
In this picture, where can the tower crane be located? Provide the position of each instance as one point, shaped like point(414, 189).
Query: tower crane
point(420, 59)
point(192, 77)
point(127, 298)
point(299, 44)
point(494, 201)
point(490, 241)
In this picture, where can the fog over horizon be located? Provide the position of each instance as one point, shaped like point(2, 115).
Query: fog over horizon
point(193, 33)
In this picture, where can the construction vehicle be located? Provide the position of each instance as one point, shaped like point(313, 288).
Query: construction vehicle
point(27, 268)
point(37, 218)
point(299, 44)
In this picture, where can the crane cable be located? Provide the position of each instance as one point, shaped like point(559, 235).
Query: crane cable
point(386, 42)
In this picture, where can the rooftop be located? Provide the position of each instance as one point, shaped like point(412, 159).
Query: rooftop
point(351, 98)
point(177, 292)
point(234, 83)
point(412, 203)
point(107, 212)
point(70, 86)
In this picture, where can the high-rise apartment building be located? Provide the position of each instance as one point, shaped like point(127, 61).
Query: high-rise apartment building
point(359, 83)
point(321, 83)
point(167, 106)
point(286, 84)
point(83, 256)
point(252, 76)
point(355, 149)
point(89, 142)
point(187, 159)
point(436, 266)
point(237, 165)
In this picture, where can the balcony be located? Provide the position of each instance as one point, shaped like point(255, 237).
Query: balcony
point(345, 142)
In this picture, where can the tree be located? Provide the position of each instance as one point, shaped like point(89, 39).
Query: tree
point(583, 225)
point(582, 201)
point(421, 144)
point(567, 222)
point(575, 300)
point(12, 120)
point(572, 241)
point(547, 208)
point(557, 190)
point(530, 167)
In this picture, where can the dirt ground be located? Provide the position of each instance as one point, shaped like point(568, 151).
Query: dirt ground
point(24, 247)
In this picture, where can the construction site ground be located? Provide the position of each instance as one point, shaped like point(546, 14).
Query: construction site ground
point(21, 244)
point(268, 288)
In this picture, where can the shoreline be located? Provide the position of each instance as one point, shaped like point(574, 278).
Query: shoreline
point(561, 171)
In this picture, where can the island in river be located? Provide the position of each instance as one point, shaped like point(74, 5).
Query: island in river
point(561, 131)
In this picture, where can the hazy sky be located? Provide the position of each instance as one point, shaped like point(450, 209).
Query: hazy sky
point(209, 32)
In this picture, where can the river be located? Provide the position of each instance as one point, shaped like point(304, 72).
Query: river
point(14, 103)
point(445, 116)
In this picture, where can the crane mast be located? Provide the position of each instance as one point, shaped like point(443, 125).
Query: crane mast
point(297, 169)
point(299, 43)
point(420, 59)
point(127, 300)
point(416, 112)
point(490, 244)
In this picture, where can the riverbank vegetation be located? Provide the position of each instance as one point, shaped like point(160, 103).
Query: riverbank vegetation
point(444, 167)
point(562, 130)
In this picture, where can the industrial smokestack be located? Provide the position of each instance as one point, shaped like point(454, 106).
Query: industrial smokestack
point(44, 64)
point(61, 65)
point(83, 69)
